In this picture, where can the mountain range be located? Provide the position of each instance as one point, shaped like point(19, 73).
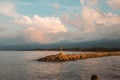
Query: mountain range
point(88, 44)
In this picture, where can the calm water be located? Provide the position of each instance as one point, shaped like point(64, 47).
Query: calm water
point(21, 65)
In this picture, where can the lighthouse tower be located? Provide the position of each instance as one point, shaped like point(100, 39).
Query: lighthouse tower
point(61, 50)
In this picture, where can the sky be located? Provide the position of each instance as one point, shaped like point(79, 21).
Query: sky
point(51, 21)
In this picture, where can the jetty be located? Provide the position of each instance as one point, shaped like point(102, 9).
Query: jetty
point(61, 57)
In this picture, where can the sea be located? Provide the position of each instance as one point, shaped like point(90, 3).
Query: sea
point(22, 65)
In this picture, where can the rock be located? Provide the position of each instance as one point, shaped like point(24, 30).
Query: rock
point(68, 57)
point(94, 77)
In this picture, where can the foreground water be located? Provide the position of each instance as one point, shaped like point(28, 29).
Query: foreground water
point(21, 65)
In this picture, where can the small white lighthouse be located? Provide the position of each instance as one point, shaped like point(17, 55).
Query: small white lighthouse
point(61, 50)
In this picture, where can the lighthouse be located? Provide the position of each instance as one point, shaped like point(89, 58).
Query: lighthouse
point(61, 50)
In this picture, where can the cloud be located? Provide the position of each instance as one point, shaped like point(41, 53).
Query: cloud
point(38, 28)
point(93, 17)
point(75, 21)
point(48, 24)
point(35, 35)
point(112, 32)
point(23, 20)
point(88, 3)
point(94, 24)
point(8, 9)
point(82, 2)
point(115, 4)
point(89, 24)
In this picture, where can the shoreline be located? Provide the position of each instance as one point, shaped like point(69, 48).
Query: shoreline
point(92, 49)
point(62, 50)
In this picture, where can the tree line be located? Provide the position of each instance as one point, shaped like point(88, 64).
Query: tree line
point(96, 49)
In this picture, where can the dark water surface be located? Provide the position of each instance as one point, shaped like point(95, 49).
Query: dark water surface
point(21, 65)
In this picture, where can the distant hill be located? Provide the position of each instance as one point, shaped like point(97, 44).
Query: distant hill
point(87, 44)
point(98, 43)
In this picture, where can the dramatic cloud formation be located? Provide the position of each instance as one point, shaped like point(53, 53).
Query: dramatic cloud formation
point(115, 4)
point(92, 17)
point(48, 24)
point(39, 27)
point(94, 22)
point(73, 22)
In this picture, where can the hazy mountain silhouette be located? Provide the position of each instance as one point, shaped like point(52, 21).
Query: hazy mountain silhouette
point(65, 44)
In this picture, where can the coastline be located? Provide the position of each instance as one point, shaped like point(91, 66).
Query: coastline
point(92, 49)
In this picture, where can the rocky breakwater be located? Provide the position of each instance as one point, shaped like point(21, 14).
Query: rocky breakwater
point(68, 57)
